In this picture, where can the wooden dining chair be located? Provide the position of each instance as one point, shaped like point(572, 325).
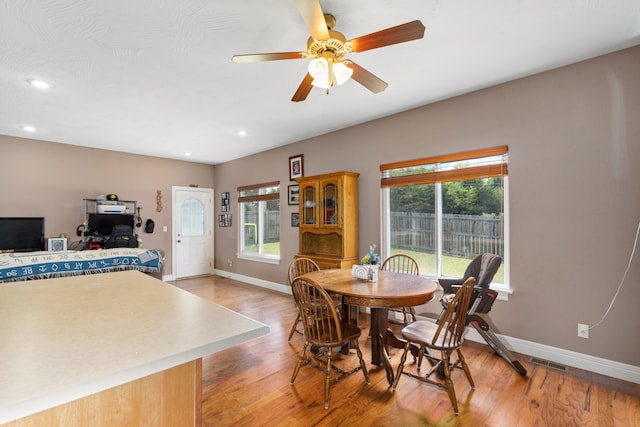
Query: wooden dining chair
point(445, 337)
point(401, 263)
point(298, 267)
point(323, 328)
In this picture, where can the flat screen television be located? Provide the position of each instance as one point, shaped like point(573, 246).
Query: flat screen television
point(22, 234)
point(103, 223)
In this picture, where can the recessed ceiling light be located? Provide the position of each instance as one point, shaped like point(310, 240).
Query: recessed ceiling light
point(241, 132)
point(28, 128)
point(40, 84)
point(187, 154)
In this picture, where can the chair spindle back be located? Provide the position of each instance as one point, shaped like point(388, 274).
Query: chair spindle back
point(300, 266)
point(320, 318)
point(401, 263)
point(453, 321)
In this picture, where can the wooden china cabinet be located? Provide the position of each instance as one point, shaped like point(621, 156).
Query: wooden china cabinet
point(329, 219)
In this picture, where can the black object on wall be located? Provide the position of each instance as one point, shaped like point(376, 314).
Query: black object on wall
point(149, 226)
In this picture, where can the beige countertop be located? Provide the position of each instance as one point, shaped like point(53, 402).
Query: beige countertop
point(63, 339)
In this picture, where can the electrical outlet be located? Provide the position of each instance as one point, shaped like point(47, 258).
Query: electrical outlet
point(229, 262)
point(583, 330)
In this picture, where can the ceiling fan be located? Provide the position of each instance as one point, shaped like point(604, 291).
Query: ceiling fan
point(327, 50)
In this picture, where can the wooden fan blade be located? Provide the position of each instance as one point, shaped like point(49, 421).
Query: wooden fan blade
point(367, 79)
point(259, 57)
point(313, 17)
point(304, 89)
point(401, 33)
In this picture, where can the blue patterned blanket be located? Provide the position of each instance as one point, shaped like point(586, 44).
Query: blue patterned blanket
point(17, 266)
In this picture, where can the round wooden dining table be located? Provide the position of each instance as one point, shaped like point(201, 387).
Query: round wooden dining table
point(390, 291)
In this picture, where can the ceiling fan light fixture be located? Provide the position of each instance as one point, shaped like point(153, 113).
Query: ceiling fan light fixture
point(341, 72)
point(322, 84)
point(319, 70)
point(326, 72)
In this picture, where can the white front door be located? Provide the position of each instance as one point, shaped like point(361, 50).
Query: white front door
point(192, 231)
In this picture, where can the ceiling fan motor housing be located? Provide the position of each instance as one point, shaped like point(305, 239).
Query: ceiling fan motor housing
point(336, 44)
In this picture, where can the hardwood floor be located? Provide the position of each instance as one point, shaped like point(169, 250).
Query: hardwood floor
point(249, 385)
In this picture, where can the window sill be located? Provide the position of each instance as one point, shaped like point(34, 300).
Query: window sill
point(503, 292)
point(258, 258)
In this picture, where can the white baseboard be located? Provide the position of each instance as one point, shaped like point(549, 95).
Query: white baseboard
point(284, 288)
point(587, 362)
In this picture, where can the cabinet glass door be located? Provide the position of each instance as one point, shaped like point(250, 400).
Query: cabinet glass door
point(330, 204)
point(308, 205)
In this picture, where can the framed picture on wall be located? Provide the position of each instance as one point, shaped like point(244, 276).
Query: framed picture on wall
point(295, 219)
point(225, 201)
point(294, 194)
point(295, 167)
point(224, 220)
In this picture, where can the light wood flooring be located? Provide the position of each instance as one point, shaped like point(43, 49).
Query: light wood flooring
point(249, 385)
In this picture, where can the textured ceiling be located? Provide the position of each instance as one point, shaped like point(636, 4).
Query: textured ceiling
point(156, 77)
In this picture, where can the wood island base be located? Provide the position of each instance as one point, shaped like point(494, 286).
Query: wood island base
point(168, 398)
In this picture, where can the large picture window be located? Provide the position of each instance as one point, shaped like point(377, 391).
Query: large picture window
point(446, 210)
point(259, 228)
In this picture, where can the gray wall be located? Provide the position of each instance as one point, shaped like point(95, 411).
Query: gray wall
point(574, 146)
point(40, 178)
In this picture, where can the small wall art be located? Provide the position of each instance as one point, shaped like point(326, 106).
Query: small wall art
point(159, 201)
point(225, 201)
point(294, 194)
point(295, 167)
point(295, 219)
point(224, 220)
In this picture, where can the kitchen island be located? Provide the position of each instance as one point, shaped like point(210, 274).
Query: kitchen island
point(117, 348)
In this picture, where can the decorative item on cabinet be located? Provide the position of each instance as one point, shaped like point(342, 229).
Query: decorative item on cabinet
point(328, 209)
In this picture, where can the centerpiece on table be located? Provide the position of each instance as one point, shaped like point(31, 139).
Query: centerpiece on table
point(370, 264)
point(372, 258)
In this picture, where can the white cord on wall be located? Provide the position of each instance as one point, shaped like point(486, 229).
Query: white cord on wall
point(624, 276)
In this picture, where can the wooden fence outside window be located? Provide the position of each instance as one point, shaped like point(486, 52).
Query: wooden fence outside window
point(462, 235)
